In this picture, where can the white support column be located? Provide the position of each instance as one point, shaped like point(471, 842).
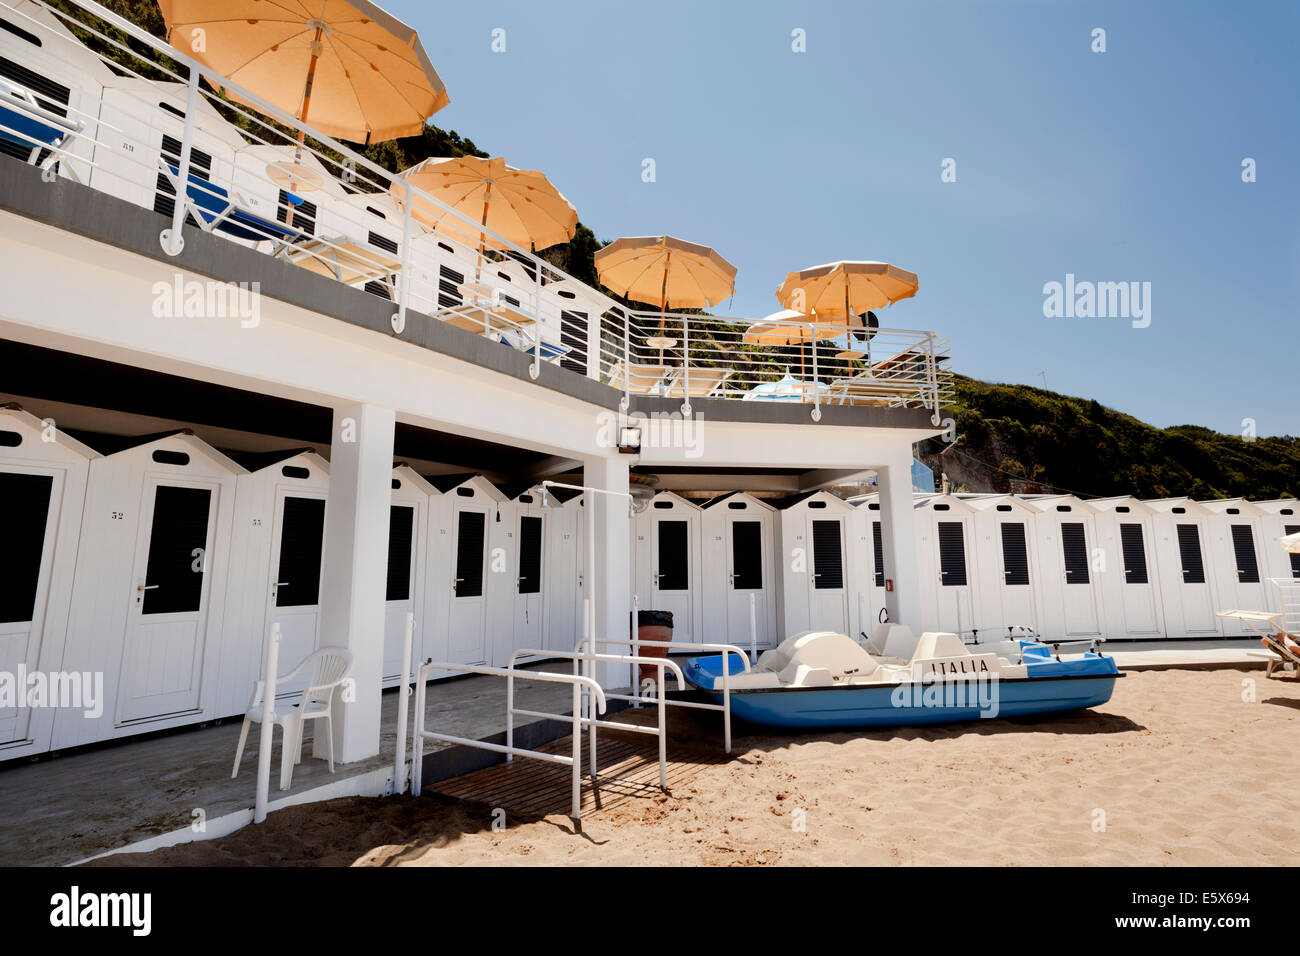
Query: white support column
point(355, 570)
point(613, 578)
point(898, 540)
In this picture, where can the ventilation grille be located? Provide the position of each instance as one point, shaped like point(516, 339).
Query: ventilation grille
point(747, 555)
point(674, 571)
point(1074, 550)
point(1243, 545)
point(952, 554)
point(530, 554)
point(24, 510)
point(401, 532)
point(302, 533)
point(1015, 553)
point(469, 554)
point(1135, 553)
point(1189, 549)
point(178, 540)
point(879, 545)
point(828, 557)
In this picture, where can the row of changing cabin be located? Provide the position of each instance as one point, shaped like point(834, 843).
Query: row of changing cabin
point(162, 566)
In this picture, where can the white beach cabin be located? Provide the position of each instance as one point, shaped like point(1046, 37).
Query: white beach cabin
point(946, 563)
point(738, 541)
point(414, 521)
point(1069, 563)
point(147, 606)
point(1007, 572)
point(527, 528)
point(43, 475)
point(817, 574)
point(478, 596)
point(668, 573)
point(1234, 539)
point(1130, 580)
point(277, 546)
point(1280, 517)
point(1186, 576)
point(562, 575)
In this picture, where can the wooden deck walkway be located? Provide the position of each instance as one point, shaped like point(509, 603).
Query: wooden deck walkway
point(628, 770)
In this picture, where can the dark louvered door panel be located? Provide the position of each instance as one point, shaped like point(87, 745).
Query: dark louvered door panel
point(304, 214)
point(1189, 549)
point(449, 283)
point(469, 554)
point(573, 335)
point(1135, 553)
point(674, 565)
point(1243, 546)
point(302, 536)
point(747, 555)
point(530, 554)
point(878, 543)
point(401, 535)
point(952, 554)
point(375, 286)
point(200, 167)
point(1074, 550)
point(1015, 553)
point(177, 543)
point(24, 510)
point(828, 556)
point(1295, 558)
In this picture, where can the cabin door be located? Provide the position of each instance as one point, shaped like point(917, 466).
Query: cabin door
point(400, 594)
point(747, 558)
point(828, 596)
point(1244, 537)
point(1078, 594)
point(1015, 584)
point(876, 591)
point(162, 659)
point(952, 552)
point(29, 512)
point(1197, 602)
point(529, 611)
point(294, 601)
point(1138, 594)
point(467, 636)
point(672, 574)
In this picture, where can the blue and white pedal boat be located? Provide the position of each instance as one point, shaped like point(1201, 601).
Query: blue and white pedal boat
point(826, 680)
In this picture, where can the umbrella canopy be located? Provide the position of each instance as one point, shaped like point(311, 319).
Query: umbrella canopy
point(519, 204)
point(1291, 543)
point(843, 290)
point(663, 270)
point(346, 67)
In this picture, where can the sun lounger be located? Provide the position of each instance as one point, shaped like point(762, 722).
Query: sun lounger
point(1284, 647)
point(347, 260)
point(550, 351)
point(701, 382)
point(216, 210)
point(27, 124)
point(640, 379)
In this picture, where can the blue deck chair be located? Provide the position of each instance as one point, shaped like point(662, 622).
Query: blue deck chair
point(547, 350)
point(24, 122)
point(216, 210)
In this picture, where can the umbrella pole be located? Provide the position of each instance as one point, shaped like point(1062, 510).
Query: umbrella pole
point(663, 302)
point(302, 114)
point(482, 236)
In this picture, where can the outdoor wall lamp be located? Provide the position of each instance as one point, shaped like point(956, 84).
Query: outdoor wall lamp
point(629, 439)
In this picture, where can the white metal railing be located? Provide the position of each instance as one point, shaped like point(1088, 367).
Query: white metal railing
point(356, 226)
point(587, 648)
point(574, 760)
point(592, 723)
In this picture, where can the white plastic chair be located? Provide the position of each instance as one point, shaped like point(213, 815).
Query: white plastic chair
point(330, 667)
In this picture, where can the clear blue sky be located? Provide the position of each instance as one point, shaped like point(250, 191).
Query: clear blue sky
point(1115, 166)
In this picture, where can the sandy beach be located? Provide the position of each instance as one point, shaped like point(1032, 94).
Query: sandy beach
point(1176, 769)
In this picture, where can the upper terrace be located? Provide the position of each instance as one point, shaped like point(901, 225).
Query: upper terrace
point(131, 130)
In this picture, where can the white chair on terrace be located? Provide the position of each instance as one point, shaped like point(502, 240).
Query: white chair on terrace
point(329, 668)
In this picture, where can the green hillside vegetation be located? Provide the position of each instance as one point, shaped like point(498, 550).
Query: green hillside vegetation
point(1010, 437)
point(1024, 439)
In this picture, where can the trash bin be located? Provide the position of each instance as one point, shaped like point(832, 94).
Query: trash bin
point(653, 626)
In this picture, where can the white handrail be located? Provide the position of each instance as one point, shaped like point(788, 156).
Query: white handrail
point(575, 761)
point(724, 649)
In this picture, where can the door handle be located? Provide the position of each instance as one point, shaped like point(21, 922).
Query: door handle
point(281, 584)
point(148, 587)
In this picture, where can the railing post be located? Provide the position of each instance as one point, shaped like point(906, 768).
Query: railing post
point(932, 377)
point(686, 367)
point(403, 704)
point(268, 726)
point(817, 394)
point(171, 239)
point(535, 369)
point(626, 402)
point(417, 742)
point(577, 755)
point(399, 317)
